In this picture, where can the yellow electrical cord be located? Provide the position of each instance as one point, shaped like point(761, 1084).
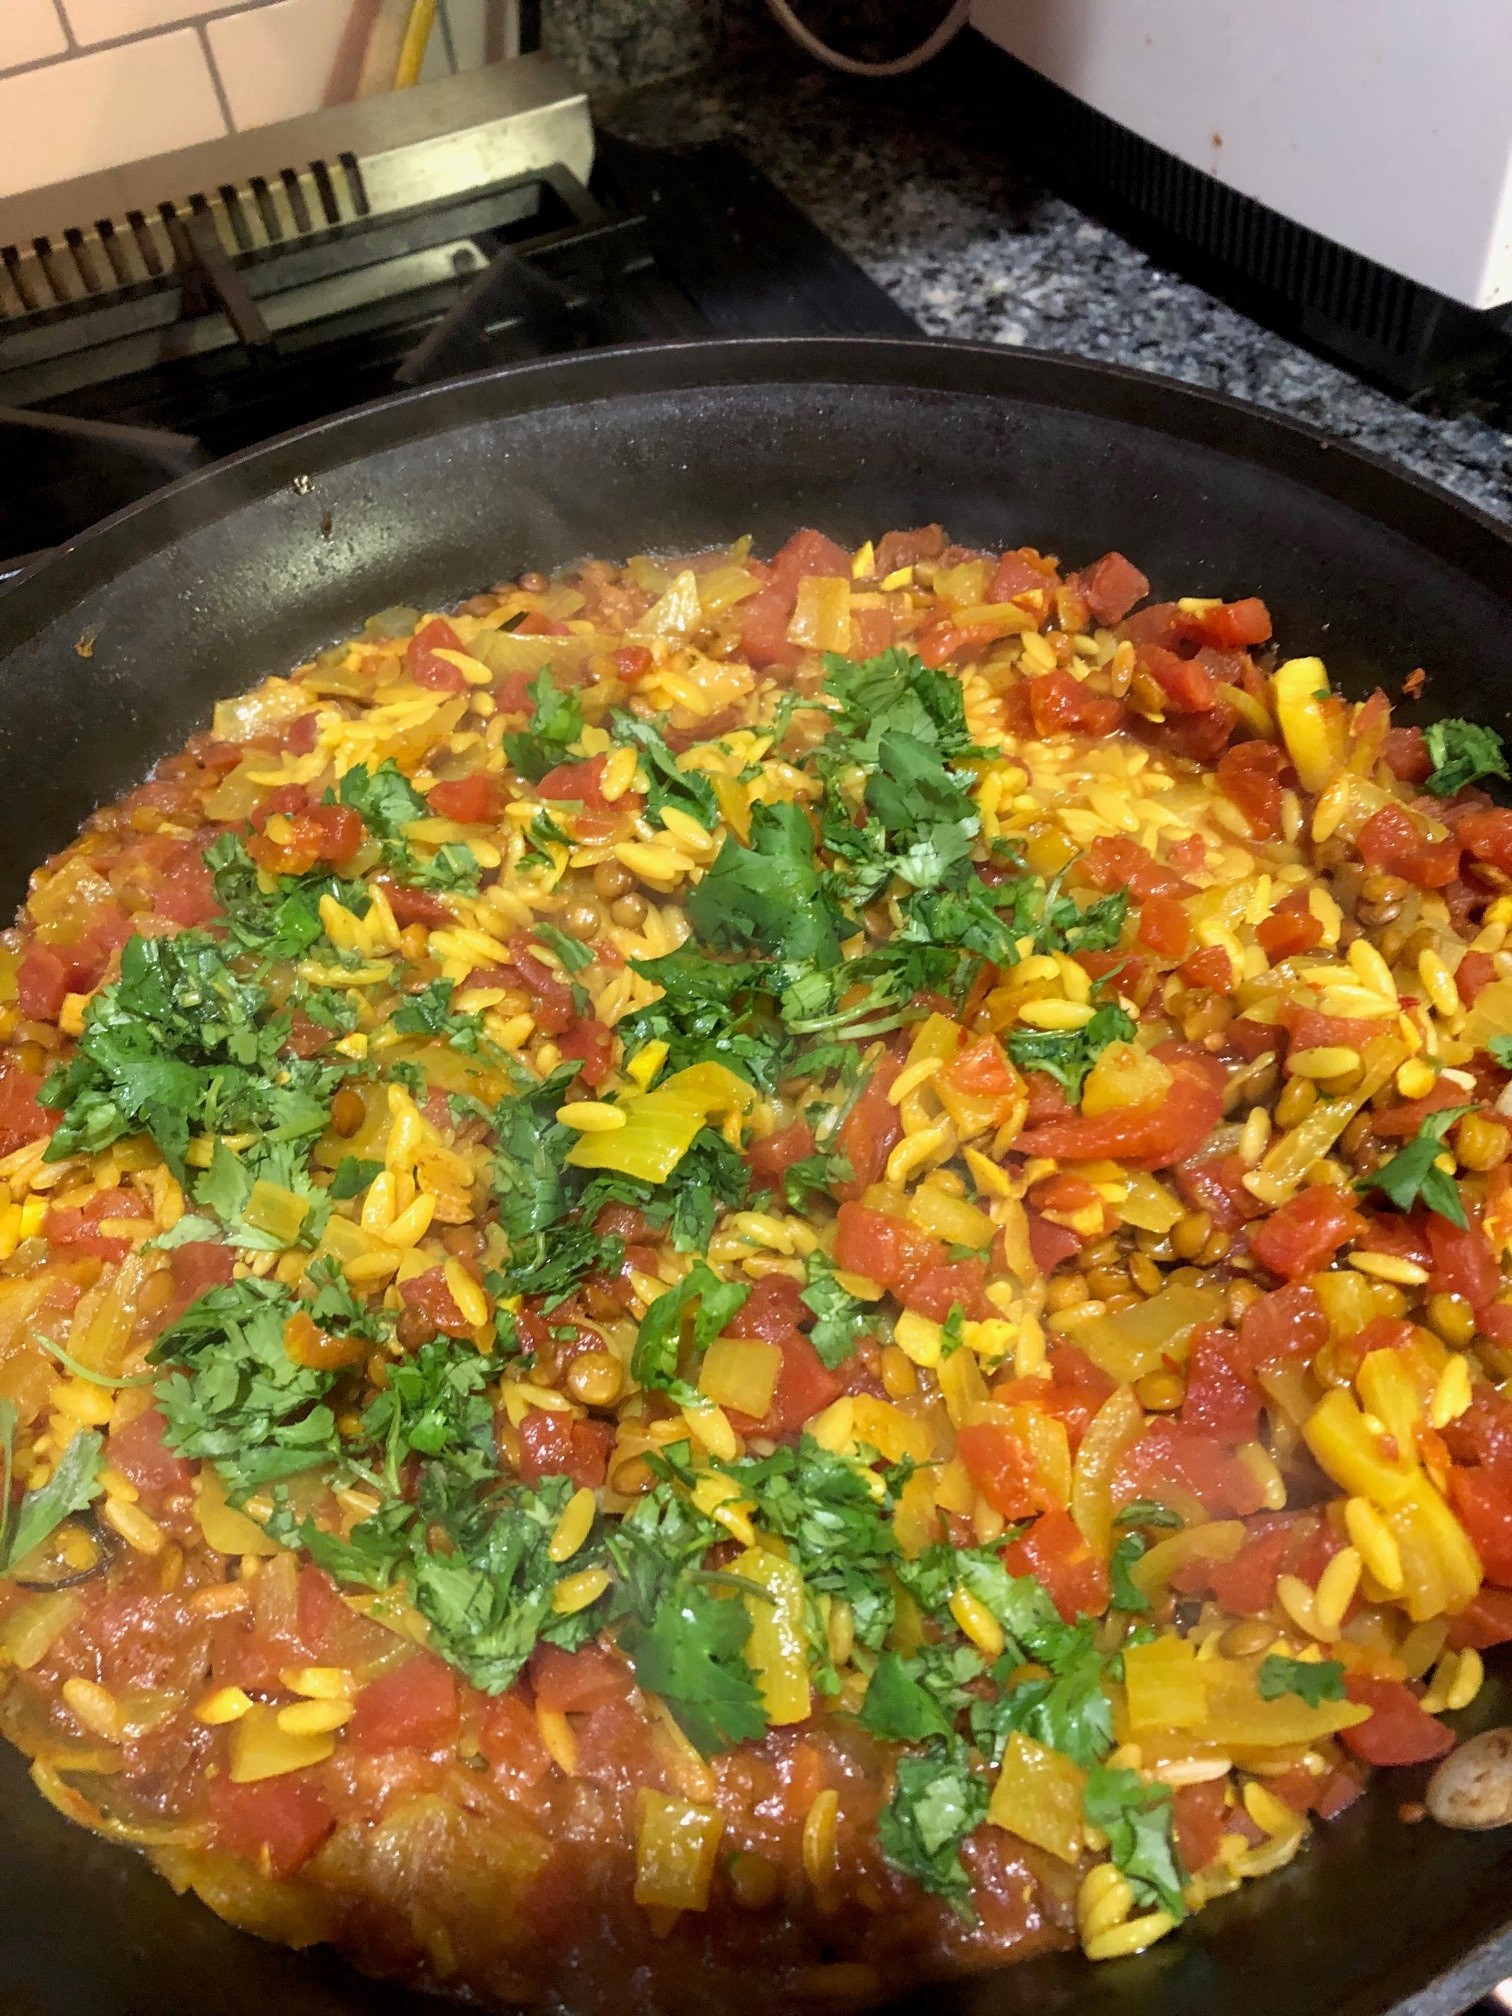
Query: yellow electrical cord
point(416, 35)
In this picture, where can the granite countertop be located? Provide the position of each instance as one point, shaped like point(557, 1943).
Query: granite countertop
point(915, 180)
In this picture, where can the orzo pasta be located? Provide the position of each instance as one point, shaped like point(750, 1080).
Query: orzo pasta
point(772, 1277)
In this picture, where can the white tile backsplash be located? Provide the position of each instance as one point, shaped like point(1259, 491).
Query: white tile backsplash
point(29, 31)
point(139, 77)
point(87, 112)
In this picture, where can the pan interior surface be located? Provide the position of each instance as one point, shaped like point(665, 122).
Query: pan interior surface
point(113, 653)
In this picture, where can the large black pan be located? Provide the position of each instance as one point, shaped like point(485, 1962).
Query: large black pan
point(112, 651)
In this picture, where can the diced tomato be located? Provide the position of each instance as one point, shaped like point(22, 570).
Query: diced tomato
point(1399, 1731)
point(1017, 574)
point(1484, 1505)
point(1250, 1040)
point(422, 664)
point(772, 1157)
point(1486, 1620)
point(887, 1250)
point(805, 1386)
point(1059, 704)
point(1247, 1584)
point(1249, 776)
point(552, 1001)
point(1215, 1184)
point(773, 1308)
point(1229, 626)
point(1198, 1813)
point(871, 1130)
point(41, 983)
point(1390, 841)
point(872, 632)
point(1165, 926)
point(1474, 973)
point(1463, 1262)
point(1149, 1137)
point(1188, 686)
point(575, 1683)
point(1221, 1396)
point(764, 616)
point(1054, 1552)
point(1303, 1234)
point(315, 833)
point(1406, 755)
point(413, 906)
point(186, 894)
point(1118, 863)
point(429, 1295)
point(1308, 1030)
point(1210, 967)
point(934, 1291)
point(1172, 1453)
point(139, 1452)
point(278, 1823)
point(1288, 1324)
point(413, 1707)
point(577, 784)
point(76, 1227)
point(555, 1445)
point(633, 662)
point(21, 1118)
point(1488, 836)
point(1050, 1244)
point(1289, 929)
point(592, 1044)
point(1003, 1468)
point(1110, 587)
point(510, 1739)
point(904, 548)
point(473, 800)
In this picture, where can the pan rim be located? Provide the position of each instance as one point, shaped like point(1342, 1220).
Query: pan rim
point(1217, 423)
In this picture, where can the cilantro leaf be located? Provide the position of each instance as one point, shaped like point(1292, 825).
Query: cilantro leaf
point(895, 692)
point(429, 1013)
point(39, 1512)
point(1315, 1680)
point(353, 1175)
point(573, 953)
point(1126, 1593)
point(669, 784)
point(236, 1397)
point(279, 921)
point(1411, 1176)
point(813, 1176)
point(384, 797)
point(1067, 1055)
point(936, 1801)
point(841, 1320)
point(716, 1010)
point(909, 1700)
point(694, 1312)
point(1136, 1817)
point(529, 1156)
point(690, 1653)
point(1462, 752)
point(556, 722)
point(769, 897)
point(1500, 1048)
point(930, 816)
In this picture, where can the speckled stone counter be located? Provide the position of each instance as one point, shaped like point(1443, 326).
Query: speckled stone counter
point(915, 180)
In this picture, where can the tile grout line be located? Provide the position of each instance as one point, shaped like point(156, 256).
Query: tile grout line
point(215, 77)
point(225, 10)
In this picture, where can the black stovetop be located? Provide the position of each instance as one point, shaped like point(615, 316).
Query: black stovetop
point(664, 244)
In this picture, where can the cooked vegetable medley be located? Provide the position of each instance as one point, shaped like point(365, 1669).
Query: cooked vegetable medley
point(784, 1277)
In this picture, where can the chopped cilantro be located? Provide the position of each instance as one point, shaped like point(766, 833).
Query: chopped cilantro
point(937, 1800)
point(769, 897)
point(1136, 1817)
point(1500, 1048)
point(813, 1176)
point(841, 1321)
point(1314, 1680)
point(909, 1700)
point(669, 784)
point(1126, 1593)
point(556, 722)
point(429, 1013)
point(1462, 752)
point(385, 798)
point(26, 1522)
point(692, 1313)
point(1412, 1176)
point(573, 953)
point(353, 1175)
point(1067, 1055)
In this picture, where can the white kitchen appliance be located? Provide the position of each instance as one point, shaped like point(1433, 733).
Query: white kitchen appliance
point(1323, 148)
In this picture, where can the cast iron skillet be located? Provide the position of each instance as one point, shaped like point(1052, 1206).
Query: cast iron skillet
point(112, 651)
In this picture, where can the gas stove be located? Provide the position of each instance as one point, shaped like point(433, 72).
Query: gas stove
point(166, 314)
